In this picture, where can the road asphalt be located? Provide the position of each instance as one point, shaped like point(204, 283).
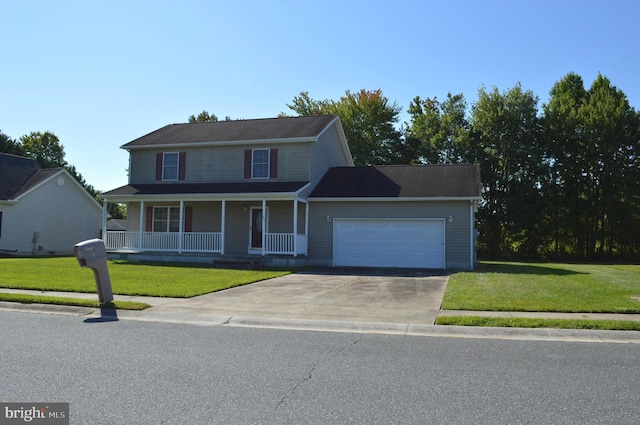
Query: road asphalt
point(398, 302)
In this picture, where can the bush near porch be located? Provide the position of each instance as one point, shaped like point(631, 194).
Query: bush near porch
point(127, 278)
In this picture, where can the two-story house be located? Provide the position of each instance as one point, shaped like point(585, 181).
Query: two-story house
point(285, 190)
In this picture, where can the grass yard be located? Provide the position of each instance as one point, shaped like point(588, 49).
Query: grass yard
point(127, 278)
point(578, 288)
point(43, 299)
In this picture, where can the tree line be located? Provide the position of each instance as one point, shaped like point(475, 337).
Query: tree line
point(560, 182)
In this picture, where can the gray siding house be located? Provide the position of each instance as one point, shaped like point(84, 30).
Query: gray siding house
point(285, 191)
point(43, 211)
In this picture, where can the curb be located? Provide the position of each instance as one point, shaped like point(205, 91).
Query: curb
point(407, 329)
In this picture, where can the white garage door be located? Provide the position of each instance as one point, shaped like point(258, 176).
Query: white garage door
point(388, 243)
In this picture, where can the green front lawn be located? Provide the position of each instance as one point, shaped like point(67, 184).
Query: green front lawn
point(579, 288)
point(127, 278)
point(572, 288)
point(44, 299)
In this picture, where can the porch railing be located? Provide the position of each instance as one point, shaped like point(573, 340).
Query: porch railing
point(151, 241)
point(275, 243)
point(282, 243)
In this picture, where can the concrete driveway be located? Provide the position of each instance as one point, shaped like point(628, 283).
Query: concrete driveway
point(359, 295)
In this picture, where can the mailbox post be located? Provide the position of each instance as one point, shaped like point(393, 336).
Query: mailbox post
point(92, 254)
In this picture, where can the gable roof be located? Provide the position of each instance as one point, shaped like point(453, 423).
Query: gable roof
point(299, 128)
point(401, 181)
point(15, 172)
point(20, 175)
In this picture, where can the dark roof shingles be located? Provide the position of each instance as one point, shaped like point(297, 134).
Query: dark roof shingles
point(223, 131)
point(403, 181)
point(15, 173)
point(207, 188)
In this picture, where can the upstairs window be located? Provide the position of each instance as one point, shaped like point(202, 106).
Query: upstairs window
point(170, 166)
point(260, 164)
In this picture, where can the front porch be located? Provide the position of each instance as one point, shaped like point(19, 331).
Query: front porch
point(222, 227)
point(205, 242)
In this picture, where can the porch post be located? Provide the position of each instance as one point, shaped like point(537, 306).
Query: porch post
point(141, 226)
point(181, 229)
point(104, 220)
point(264, 227)
point(295, 227)
point(222, 220)
point(306, 221)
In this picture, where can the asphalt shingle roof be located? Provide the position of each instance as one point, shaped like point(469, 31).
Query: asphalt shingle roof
point(15, 173)
point(207, 188)
point(401, 181)
point(223, 131)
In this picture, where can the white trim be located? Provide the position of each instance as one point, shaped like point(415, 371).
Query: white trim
point(270, 196)
point(302, 189)
point(180, 226)
point(394, 199)
point(104, 219)
point(264, 226)
point(295, 227)
point(221, 143)
point(51, 177)
point(142, 217)
point(222, 225)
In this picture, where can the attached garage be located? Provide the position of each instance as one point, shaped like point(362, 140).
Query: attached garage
point(404, 216)
point(411, 243)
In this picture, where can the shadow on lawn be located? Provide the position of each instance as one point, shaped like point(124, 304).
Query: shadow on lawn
point(532, 269)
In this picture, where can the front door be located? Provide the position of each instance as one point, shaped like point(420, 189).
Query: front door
point(256, 228)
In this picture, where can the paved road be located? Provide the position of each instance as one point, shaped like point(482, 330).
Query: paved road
point(129, 372)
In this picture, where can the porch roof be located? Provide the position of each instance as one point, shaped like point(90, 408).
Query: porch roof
point(206, 189)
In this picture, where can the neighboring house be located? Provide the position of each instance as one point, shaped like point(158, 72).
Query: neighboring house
point(43, 211)
point(117, 224)
point(285, 190)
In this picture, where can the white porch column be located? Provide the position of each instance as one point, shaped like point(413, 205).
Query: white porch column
point(295, 227)
point(181, 228)
point(141, 227)
point(306, 221)
point(264, 227)
point(222, 221)
point(104, 220)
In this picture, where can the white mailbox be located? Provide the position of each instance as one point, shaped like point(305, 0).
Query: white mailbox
point(92, 254)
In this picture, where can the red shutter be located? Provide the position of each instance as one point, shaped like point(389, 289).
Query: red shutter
point(273, 163)
point(247, 163)
point(188, 219)
point(149, 224)
point(159, 166)
point(182, 165)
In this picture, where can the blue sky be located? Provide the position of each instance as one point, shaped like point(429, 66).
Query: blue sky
point(100, 74)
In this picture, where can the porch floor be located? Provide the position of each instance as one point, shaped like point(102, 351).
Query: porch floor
point(214, 260)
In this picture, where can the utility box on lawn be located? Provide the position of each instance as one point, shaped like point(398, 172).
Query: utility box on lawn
point(92, 254)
